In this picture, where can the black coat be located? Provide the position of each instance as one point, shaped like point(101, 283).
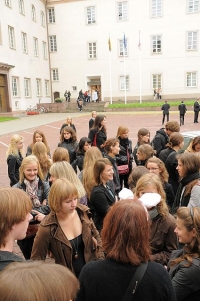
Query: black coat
point(101, 200)
point(101, 138)
point(182, 109)
point(108, 279)
point(14, 164)
point(196, 106)
point(165, 153)
point(185, 279)
point(159, 141)
point(171, 164)
point(116, 181)
point(72, 148)
point(165, 108)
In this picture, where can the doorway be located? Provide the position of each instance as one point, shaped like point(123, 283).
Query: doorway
point(3, 105)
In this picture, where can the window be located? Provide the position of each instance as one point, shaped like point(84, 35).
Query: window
point(55, 74)
point(193, 6)
point(122, 11)
point(92, 50)
point(122, 49)
point(122, 82)
point(35, 46)
point(51, 15)
point(42, 17)
point(74, 88)
point(47, 87)
point(24, 43)
point(191, 79)
point(156, 8)
point(21, 7)
point(156, 44)
point(38, 87)
point(33, 13)
point(11, 35)
point(52, 43)
point(156, 81)
point(91, 15)
point(192, 40)
point(8, 3)
point(0, 34)
point(27, 87)
point(15, 86)
point(44, 48)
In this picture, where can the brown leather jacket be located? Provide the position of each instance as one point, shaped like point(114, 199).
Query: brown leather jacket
point(163, 239)
point(51, 237)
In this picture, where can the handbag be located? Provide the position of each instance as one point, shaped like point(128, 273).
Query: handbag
point(135, 282)
point(124, 169)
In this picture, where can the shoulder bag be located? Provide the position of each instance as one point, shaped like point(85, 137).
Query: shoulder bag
point(135, 282)
point(124, 169)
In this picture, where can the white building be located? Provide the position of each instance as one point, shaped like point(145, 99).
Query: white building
point(78, 31)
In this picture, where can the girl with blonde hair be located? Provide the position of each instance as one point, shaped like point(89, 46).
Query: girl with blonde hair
point(40, 151)
point(67, 232)
point(38, 136)
point(64, 170)
point(87, 173)
point(163, 239)
point(31, 181)
point(14, 157)
point(69, 123)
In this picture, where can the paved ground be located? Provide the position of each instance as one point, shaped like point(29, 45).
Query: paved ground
point(50, 124)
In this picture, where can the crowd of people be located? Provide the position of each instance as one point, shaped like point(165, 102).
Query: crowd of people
point(109, 214)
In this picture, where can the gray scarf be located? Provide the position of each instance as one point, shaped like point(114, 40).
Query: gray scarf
point(153, 213)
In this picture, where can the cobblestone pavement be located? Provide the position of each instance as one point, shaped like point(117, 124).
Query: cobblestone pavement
point(50, 124)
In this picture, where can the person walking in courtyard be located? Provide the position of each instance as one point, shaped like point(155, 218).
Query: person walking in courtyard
point(165, 108)
point(196, 110)
point(182, 110)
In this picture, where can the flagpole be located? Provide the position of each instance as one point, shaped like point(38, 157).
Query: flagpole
point(110, 48)
point(124, 45)
point(139, 46)
point(110, 77)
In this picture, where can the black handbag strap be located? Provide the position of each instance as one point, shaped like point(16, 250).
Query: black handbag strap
point(135, 282)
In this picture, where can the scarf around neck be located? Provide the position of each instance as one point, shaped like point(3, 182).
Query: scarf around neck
point(31, 190)
point(185, 199)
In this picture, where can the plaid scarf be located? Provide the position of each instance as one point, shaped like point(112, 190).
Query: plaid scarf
point(31, 190)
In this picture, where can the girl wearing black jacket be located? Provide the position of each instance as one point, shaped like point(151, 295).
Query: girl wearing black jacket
point(97, 134)
point(125, 153)
point(68, 140)
point(14, 158)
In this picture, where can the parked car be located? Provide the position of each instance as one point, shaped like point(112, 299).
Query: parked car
point(188, 136)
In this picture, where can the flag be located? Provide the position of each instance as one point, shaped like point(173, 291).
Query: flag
point(124, 42)
point(139, 44)
point(109, 44)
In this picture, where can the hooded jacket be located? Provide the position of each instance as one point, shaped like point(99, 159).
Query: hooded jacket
point(8, 257)
point(51, 237)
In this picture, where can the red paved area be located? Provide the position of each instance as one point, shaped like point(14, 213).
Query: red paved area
point(133, 120)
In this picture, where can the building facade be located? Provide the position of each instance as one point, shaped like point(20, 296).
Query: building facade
point(120, 48)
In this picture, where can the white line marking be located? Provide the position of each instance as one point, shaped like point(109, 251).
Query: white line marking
point(4, 144)
point(50, 126)
point(28, 132)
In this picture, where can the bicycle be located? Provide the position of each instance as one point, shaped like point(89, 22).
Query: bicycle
point(42, 110)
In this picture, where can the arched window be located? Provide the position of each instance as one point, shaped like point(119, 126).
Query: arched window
point(42, 19)
point(33, 13)
point(21, 7)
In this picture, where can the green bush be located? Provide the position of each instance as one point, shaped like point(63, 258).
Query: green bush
point(149, 104)
point(59, 100)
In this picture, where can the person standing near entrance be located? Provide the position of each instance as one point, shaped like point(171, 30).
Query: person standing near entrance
point(165, 108)
point(182, 110)
point(196, 110)
point(66, 95)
